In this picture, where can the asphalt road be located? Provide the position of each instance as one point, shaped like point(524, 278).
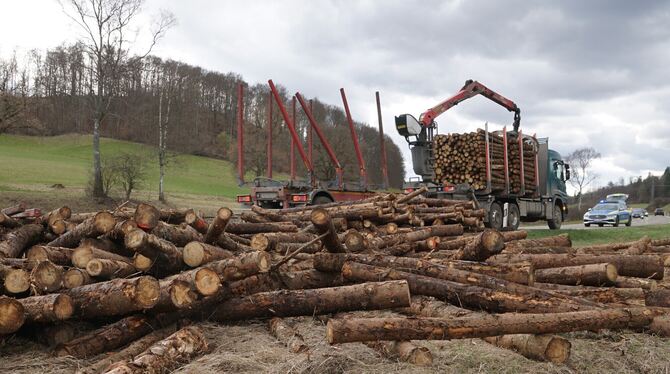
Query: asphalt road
point(651, 220)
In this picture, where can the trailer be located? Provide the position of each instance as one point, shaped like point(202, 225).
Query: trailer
point(275, 194)
point(505, 207)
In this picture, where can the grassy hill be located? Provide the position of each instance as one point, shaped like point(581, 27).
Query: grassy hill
point(29, 166)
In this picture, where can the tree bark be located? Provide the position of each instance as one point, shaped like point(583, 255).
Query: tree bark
point(285, 303)
point(47, 308)
point(236, 268)
point(324, 225)
point(369, 329)
point(167, 257)
point(658, 297)
point(167, 354)
point(8, 221)
point(404, 351)
point(115, 297)
point(256, 228)
point(642, 266)
point(177, 235)
point(99, 224)
point(605, 295)
point(84, 254)
point(193, 219)
point(562, 240)
point(483, 246)
point(586, 275)
point(18, 240)
point(12, 315)
point(46, 277)
point(109, 269)
point(549, 348)
point(270, 241)
point(218, 225)
point(58, 255)
point(632, 282)
point(198, 253)
point(288, 335)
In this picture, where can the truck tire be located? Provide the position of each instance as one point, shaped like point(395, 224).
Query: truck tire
point(321, 200)
point(495, 217)
point(557, 219)
point(513, 217)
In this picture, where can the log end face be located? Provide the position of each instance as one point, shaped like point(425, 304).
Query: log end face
point(104, 222)
point(94, 267)
point(142, 263)
point(260, 242)
point(146, 216)
point(181, 294)
point(74, 278)
point(193, 254)
point(17, 281)
point(224, 213)
point(611, 273)
point(264, 262)
point(207, 281)
point(47, 276)
point(12, 315)
point(63, 307)
point(420, 356)
point(319, 217)
point(558, 350)
point(135, 239)
point(147, 292)
point(37, 253)
point(354, 241)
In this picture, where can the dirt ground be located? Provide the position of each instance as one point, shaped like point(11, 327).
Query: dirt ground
point(248, 348)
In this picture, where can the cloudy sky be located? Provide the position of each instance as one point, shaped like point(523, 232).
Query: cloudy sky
point(585, 73)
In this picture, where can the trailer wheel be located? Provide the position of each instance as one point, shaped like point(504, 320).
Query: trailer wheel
point(495, 217)
point(557, 218)
point(321, 200)
point(513, 217)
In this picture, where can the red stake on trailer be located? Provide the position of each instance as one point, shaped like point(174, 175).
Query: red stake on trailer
point(293, 143)
point(309, 138)
point(523, 177)
point(338, 168)
point(294, 134)
point(354, 138)
point(240, 133)
point(505, 162)
point(269, 152)
point(382, 144)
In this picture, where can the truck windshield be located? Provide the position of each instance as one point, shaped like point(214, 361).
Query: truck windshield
point(606, 207)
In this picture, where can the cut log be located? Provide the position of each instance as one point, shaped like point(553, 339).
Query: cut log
point(193, 219)
point(369, 329)
point(235, 268)
point(285, 303)
point(198, 253)
point(108, 337)
point(605, 295)
point(179, 236)
point(15, 280)
point(95, 226)
point(166, 355)
point(514, 235)
point(115, 297)
point(404, 351)
point(18, 240)
point(658, 297)
point(58, 255)
point(241, 228)
point(12, 315)
point(642, 266)
point(324, 225)
point(8, 221)
point(118, 233)
point(14, 209)
point(586, 275)
point(549, 348)
point(146, 216)
point(288, 335)
point(82, 255)
point(47, 308)
point(76, 277)
point(483, 246)
point(631, 282)
point(45, 277)
point(269, 241)
point(519, 272)
point(109, 269)
point(562, 240)
point(218, 225)
point(167, 258)
point(129, 352)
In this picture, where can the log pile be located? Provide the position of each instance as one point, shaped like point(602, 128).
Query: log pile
point(144, 278)
point(461, 158)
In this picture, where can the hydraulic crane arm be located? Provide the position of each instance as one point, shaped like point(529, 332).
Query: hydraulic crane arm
point(470, 89)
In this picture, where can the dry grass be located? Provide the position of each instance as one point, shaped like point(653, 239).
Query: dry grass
point(247, 347)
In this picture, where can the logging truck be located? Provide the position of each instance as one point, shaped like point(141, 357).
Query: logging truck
point(513, 176)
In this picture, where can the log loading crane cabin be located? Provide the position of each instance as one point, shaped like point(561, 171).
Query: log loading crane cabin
point(513, 176)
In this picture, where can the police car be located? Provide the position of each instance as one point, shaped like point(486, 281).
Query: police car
point(608, 212)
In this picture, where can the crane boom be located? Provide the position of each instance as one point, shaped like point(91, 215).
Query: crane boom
point(470, 89)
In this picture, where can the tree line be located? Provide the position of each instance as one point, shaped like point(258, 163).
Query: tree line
point(187, 108)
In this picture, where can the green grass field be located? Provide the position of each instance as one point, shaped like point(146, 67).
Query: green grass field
point(588, 237)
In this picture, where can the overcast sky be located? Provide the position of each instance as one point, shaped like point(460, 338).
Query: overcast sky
point(584, 73)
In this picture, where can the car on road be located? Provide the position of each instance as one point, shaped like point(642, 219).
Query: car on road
point(659, 212)
point(608, 213)
point(638, 213)
point(646, 214)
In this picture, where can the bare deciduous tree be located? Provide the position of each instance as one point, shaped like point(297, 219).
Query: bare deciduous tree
point(580, 161)
point(129, 170)
point(105, 23)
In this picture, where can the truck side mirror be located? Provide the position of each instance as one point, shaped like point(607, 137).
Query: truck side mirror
point(567, 172)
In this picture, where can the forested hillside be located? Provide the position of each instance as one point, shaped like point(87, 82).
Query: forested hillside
point(49, 94)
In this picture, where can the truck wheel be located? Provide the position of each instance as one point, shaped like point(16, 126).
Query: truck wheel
point(321, 200)
point(495, 217)
point(556, 220)
point(513, 217)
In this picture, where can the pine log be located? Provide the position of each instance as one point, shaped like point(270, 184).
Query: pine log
point(236, 245)
point(236, 268)
point(12, 315)
point(8, 221)
point(45, 277)
point(165, 355)
point(118, 233)
point(587, 275)
point(76, 277)
point(562, 240)
point(18, 240)
point(108, 337)
point(82, 255)
point(483, 246)
point(658, 297)
point(514, 235)
point(146, 216)
point(58, 255)
point(198, 253)
point(179, 236)
point(285, 303)
point(218, 225)
point(14, 209)
point(475, 297)
point(270, 241)
point(519, 272)
point(642, 266)
point(109, 269)
point(95, 226)
point(168, 258)
point(193, 219)
point(47, 308)
point(368, 329)
point(129, 352)
point(115, 297)
point(605, 295)
point(288, 335)
point(632, 282)
point(660, 326)
point(404, 351)
point(324, 225)
point(255, 228)
point(15, 280)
